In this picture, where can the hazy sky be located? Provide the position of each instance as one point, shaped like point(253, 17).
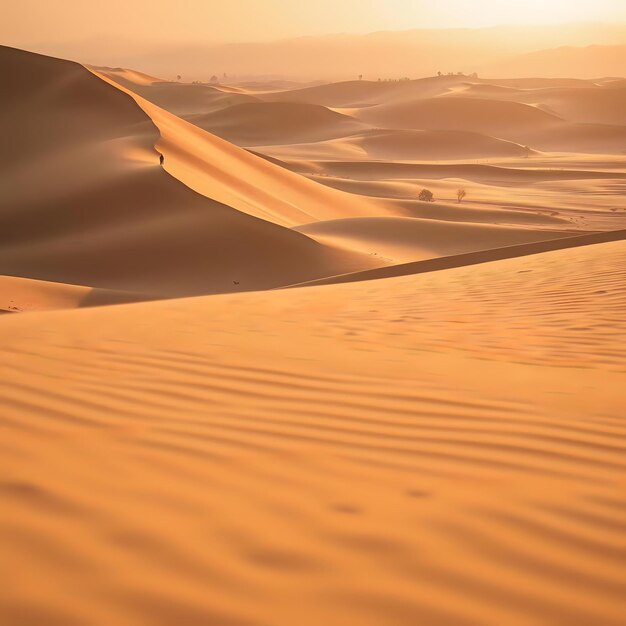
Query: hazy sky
point(27, 22)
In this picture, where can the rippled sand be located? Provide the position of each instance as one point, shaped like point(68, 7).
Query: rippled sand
point(446, 448)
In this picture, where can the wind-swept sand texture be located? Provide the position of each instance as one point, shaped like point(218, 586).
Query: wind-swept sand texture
point(440, 449)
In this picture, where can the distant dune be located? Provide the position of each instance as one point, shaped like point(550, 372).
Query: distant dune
point(492, 117)
point(262, 123)
point(428, 145)
point(179, 98)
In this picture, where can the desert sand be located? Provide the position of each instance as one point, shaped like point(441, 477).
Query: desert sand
point(262, 383)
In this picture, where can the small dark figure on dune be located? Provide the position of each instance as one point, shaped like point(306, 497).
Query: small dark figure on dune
point(161, 159)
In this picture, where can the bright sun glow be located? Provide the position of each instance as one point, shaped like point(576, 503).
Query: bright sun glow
point(484, 12)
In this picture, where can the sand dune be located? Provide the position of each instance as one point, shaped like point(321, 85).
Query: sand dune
point(509, 120)
point(179, 98)
point(591, 106)
point(589, 138)
point(265, 123)
point(364, 170)
point(18, 295)
point(245, 181)
point(127, 76)
point(402, 239)
point(104, 214)
point(441, 449)
point(398, 145)
point(586, 104)
point(362, 93)
point(561, 241)
point(558, 115)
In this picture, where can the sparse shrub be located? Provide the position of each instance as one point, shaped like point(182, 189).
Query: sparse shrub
point(460, 194)
point(426, 195)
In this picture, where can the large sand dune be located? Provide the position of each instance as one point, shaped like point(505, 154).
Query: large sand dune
point(85, 202)
point(443, 449)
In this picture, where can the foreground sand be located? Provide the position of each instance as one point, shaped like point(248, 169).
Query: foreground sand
point(445, 448)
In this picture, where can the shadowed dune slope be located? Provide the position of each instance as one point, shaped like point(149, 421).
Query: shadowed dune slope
point(443, 449)
point(85, 202)
point(411, 239)
point(560, 241)
point(264, 123)
point(25, 294)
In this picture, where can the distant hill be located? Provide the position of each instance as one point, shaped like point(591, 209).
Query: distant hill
point(576, 62)
point(387, 54)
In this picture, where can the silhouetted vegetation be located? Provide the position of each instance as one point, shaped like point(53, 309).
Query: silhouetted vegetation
point(460, 194)
point(426, 195)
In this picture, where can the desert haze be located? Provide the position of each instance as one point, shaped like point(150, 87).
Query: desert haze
point(280, 349)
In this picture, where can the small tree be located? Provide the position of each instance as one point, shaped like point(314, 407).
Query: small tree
point(426, 195)
point(460, 194)
point(214, 79)
point(360, 76)
point(178, 77)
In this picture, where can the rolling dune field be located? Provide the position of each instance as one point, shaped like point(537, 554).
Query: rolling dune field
point(250, 378)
